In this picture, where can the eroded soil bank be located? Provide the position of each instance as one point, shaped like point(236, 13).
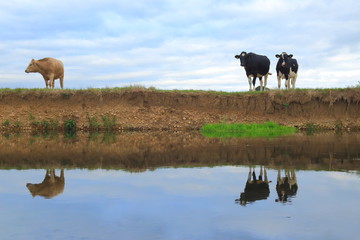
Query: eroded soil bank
point(171, 110)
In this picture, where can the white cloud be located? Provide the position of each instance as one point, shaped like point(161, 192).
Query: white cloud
point(180, 43)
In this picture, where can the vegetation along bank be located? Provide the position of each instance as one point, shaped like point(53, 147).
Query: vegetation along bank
point(138, 108)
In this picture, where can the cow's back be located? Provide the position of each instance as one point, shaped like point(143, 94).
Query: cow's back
point(258, 64)
point(52, 65)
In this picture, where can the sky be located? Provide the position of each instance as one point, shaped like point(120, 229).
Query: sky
point(178, 44)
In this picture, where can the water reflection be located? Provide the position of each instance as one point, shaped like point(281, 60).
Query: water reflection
point(286, 187)
point(258, 188)
point(106, 204)
point(255, 188)
point(50, 187)
point(139, 151)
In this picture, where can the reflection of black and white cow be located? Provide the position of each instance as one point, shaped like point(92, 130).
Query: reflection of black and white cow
point(255, 189)
point(255, 66)
point(51, 186)
point(286, 68)
point(286, 186)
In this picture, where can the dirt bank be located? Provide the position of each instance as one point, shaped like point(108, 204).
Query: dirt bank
point(170, 110)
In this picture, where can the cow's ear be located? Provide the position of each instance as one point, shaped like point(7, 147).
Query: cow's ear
point(290, 55)
point(237, 56)
point(277, 55)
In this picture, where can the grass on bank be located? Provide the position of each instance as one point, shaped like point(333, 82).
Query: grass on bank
point(67, 92)
point(237, 130)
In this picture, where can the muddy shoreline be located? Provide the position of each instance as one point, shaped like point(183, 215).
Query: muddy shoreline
point(175, 110)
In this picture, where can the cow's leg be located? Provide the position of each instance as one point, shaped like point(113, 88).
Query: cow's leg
point(52, 175)
point(265, 81)
point(293, 81)
point(287, 173)
point(46, 82)
point(279, 176)
point(261, 174)
point(61, 79)
point(51, 79)
point(249, 175)
point(261, 84)
point(265, 176)
point(279, 81)
point(250, 85)
point(287, 83)
point(62, 174)
point(254, 81)
point(254, 175)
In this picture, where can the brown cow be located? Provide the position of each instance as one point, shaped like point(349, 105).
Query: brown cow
point(51, 186)
point(49, 68)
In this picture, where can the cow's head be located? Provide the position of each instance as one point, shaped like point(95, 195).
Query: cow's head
point(283, 58)
point(242, 58)
point(31, 67)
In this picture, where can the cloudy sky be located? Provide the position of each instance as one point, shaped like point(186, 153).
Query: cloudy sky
point(178, 44)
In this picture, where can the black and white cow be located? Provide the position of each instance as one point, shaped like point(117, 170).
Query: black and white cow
point(255, 189)
point(286, 187)
point(255, 66)
point(286, 68)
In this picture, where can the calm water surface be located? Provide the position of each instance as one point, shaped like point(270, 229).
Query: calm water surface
point(185, 202)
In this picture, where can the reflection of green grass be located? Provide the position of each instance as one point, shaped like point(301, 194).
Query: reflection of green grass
point(236, 130)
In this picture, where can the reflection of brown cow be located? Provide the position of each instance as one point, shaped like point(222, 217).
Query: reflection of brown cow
point(286, 186)
point(255, 189)
point(49, 68)
point(50, 187)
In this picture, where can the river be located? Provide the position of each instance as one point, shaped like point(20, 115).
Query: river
point(155, 185)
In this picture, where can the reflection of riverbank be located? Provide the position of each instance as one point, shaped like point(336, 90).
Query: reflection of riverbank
point(137, 151)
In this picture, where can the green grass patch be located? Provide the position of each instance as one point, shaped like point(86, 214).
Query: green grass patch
point(237, 130)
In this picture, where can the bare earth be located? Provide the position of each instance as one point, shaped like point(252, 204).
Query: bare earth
point(144, 109)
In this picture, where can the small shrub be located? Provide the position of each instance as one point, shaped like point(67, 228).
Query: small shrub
point(45, 125)
point(69, 129)
point(17, 125)
point(108, 138)
point(31, 117)
point(6, 123)
point(310, 128)
point(35, 124)
point(70, 125)
point(93, 123)
point(6, 135)
point(109, 122)
point(339, 126)
point(65, 95)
